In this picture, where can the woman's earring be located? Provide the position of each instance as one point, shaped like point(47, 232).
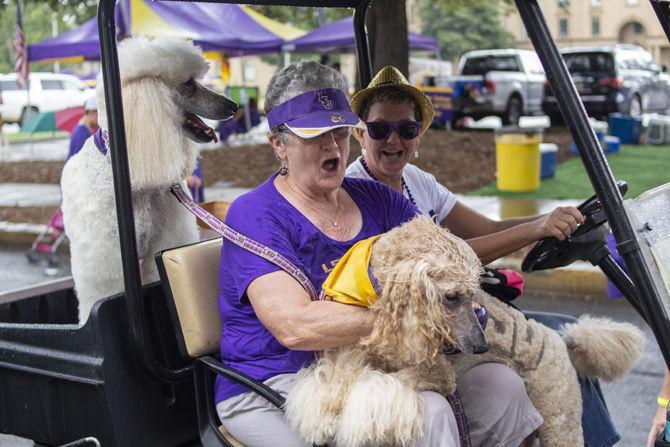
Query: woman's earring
point(283, 170)
point(416, 154)
point(364, 152)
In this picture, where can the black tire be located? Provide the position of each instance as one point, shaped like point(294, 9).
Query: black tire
point(635, 106)
point(513, 111)
point(27, 113)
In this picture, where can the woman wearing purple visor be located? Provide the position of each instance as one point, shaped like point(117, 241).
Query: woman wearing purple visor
point(311, 214)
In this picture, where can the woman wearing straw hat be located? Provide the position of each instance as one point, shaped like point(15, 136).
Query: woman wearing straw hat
point(311, 214)
point(396, 115)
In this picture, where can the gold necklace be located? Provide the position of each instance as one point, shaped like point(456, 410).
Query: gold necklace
point(333, 220)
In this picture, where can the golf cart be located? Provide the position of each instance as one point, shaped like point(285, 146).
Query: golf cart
point(140, 371)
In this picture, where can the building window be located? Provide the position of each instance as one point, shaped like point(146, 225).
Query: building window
point(595, 26)
point(637, 28)
point(563, 4)
point(248, 70)
point(563, 28)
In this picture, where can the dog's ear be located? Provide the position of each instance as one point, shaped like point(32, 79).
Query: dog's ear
point(158, 151)
point(411, 324)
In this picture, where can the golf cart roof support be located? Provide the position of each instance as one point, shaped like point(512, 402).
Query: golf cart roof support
point(362, 43)
point(138, 338)
point(137, 330)
point(596, 167)
point(662, 10)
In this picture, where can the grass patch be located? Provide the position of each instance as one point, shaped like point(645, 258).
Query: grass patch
point(22, 137)
point(643, 167)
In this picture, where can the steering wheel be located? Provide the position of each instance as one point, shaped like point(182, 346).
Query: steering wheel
point(550, 252)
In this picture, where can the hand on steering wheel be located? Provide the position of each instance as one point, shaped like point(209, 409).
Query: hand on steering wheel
point(550, 252)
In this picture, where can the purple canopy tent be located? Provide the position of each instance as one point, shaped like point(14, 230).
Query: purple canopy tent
point(79, 42)
point(222, 27)
point(339, 35)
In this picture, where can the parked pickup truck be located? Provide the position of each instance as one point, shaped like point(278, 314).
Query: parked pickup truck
point(508, 83)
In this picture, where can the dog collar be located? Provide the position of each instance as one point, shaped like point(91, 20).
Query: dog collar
point(351, 280)
point(101, 140)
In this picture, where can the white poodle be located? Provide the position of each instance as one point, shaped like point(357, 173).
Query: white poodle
point(161, 99)
point(367, 394)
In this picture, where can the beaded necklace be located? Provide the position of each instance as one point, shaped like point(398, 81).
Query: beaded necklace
point(402, 180)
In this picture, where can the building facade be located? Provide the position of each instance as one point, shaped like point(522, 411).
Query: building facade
point(576, 23)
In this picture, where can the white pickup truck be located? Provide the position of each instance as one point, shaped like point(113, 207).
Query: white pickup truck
point(49, 92)
point(508, 83)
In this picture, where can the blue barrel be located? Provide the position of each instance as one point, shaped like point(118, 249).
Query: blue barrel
point(548, 155)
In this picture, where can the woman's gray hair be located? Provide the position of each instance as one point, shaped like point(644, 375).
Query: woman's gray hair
point(301, 77)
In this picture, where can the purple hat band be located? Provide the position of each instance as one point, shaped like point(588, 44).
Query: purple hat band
point(315, 112)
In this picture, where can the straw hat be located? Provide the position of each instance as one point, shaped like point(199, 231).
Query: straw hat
point(391, 77)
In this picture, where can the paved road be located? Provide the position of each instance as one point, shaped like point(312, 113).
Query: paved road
point(631, 400)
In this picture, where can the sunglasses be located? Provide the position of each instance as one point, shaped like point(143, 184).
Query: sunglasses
point(380, 130)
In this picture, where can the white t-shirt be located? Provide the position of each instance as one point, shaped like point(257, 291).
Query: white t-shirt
point(429, 196)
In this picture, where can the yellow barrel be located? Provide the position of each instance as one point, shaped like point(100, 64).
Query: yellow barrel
point(518, 159)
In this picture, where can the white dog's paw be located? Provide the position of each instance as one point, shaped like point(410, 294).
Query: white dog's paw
point(311, 407)
point(381, 409)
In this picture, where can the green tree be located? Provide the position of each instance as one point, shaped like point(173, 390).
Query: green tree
point(461, 26)
point(386, 24)
point(37, 19)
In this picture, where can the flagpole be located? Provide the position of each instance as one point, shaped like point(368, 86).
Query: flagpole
point(21, 54)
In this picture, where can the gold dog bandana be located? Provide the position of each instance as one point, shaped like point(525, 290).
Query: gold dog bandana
point(350, 281)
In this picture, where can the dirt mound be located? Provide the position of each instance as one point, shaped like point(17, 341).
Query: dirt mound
point(462, 161)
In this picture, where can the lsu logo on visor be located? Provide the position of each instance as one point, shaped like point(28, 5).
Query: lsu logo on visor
point(337, 118)
point(325, 101)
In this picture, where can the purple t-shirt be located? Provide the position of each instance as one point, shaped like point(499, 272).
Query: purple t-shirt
point(264, 215)
point(80, 134)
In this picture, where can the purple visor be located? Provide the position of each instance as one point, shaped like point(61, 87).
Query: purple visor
point(315, 112)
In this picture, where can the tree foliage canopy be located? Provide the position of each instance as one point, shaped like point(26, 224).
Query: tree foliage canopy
point(37, 24)
point(461, 26)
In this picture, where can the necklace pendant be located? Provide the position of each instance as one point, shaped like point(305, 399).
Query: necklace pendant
point(334, 223)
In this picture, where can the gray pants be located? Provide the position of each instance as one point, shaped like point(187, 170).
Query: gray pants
point(494, 398)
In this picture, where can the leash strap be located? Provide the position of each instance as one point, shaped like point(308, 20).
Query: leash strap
point(243, 241)
point(459, 413)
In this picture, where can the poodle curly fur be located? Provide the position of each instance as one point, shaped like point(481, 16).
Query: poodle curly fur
point(159, 154)
point(367, 394)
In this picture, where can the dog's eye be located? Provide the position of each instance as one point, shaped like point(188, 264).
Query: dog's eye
point(449, 297)
point(190, 83)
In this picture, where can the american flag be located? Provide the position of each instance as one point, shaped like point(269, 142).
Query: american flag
point(21, 61)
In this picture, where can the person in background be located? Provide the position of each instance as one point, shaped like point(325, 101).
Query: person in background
point(238, 123)
point(86, 127)
point(196, 184)
point(662, 401)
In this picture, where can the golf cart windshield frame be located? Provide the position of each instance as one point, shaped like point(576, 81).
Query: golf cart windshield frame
point(568, 101)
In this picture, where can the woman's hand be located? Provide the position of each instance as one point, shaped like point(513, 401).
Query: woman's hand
point(657, 426)
point(560, 223)
point(193, 181)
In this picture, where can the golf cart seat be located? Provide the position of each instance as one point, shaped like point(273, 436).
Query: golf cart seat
point(189, 275)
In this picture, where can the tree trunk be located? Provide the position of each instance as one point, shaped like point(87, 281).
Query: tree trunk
point(387, 30)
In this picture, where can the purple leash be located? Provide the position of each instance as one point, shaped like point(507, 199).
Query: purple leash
point(243, 241)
